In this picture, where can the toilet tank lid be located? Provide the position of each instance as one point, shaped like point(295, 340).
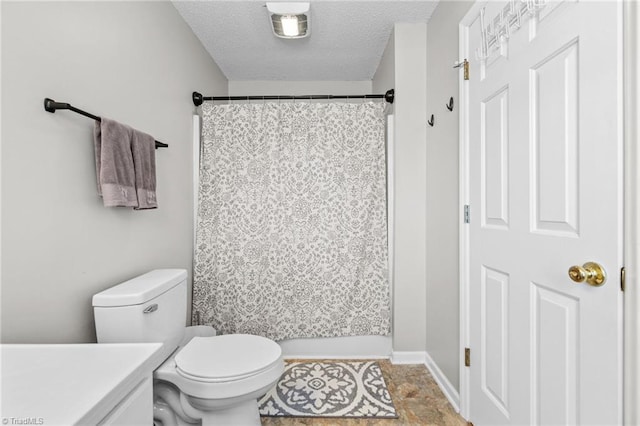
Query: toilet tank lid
point(140, 289)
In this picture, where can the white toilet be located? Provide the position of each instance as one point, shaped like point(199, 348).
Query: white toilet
point(214, 380)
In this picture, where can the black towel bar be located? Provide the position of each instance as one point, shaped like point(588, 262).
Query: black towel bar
point(51, 106)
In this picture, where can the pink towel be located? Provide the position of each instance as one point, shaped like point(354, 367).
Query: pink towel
point(125, 166)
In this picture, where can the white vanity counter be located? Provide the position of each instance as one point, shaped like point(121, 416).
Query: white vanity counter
point(85, 384)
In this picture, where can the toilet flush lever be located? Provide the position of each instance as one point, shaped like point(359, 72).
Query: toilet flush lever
point(150, 308)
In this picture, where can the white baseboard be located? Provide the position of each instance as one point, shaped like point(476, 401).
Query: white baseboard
point(407, 357)
point(445, 385)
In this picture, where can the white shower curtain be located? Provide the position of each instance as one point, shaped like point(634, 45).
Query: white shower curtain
point(291, 237)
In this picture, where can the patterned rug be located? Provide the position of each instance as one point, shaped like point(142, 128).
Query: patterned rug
point(329, 389)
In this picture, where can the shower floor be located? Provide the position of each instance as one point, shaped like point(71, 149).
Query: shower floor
point(416, 396)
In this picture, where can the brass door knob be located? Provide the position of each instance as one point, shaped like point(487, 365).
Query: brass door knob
point(591, 273)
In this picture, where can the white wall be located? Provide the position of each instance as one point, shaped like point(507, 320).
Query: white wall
point(443, 309)
point(245, 88)
point(403, 66)
point(136, 62)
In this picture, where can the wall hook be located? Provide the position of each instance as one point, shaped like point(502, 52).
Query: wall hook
point(450, 104)
point(430, 121)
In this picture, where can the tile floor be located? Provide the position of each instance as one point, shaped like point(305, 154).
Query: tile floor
point(416, 396)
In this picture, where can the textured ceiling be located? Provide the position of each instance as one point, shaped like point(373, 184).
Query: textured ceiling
point(346, 42)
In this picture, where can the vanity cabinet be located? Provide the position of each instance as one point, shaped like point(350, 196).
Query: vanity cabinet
point(84, 384)
point(134, 409)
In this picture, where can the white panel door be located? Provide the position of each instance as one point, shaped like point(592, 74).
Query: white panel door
point(544, 184)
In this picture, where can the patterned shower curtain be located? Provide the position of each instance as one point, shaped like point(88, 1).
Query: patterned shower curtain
point(291, 234)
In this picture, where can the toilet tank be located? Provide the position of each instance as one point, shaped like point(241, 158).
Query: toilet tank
point(149, 308)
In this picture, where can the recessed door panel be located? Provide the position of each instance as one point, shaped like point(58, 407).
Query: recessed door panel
point(555, 360)
point(554, 133)
point(494, 116)
point(495, 324)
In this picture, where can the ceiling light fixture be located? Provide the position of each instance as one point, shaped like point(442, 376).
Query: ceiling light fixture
point(289, 20)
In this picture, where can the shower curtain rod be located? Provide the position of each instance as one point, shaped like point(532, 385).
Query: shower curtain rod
point(51, 106)
point(198, 98)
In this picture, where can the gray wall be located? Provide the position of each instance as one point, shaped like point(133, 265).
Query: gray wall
point(244, 88)
point(385, 76)
point(443, 308)
point(403, 66)
point(135, 62)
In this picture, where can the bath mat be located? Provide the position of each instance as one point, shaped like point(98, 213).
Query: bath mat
point(329, 389)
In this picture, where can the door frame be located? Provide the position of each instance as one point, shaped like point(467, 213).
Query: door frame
point(631, 235)
point(631, 202)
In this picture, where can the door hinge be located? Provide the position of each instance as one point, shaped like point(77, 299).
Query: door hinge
point(467, 214)
point(623, 279)
point(465, 66)
point(467, 357)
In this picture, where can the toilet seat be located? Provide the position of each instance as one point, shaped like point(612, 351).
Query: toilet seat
point(219, 370)
point(226, 358)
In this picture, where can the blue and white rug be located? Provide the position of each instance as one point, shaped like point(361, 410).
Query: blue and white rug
point(329, 389)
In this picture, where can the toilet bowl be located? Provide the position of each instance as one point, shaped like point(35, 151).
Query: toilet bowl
point(200, 377)
point(221, 377)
